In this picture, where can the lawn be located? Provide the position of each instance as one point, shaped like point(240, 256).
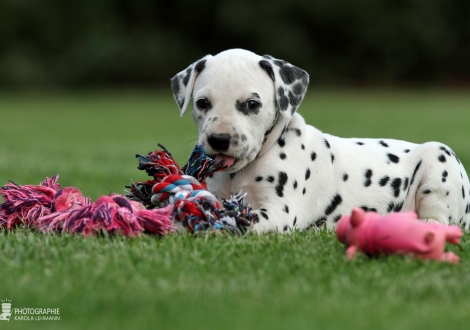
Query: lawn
point(299, 280)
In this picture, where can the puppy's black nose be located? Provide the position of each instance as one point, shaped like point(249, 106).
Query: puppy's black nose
point(219, 142)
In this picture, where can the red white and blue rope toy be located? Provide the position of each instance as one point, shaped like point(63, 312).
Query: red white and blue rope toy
point(172, 195)
point(195, 207)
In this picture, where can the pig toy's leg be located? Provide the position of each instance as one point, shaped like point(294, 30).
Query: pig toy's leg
point(450, 257)
point(351, 251)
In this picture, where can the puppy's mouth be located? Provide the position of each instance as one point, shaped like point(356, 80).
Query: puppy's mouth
point(225, 160)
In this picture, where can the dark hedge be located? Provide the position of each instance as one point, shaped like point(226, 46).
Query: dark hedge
point(75, 43)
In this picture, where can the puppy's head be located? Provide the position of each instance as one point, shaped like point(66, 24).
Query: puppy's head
point(242, 102)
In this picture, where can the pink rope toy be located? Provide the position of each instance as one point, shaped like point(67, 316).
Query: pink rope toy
point(396, 233)
point(51, 209)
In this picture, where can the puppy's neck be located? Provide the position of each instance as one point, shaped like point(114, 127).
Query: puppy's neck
point(274, 134)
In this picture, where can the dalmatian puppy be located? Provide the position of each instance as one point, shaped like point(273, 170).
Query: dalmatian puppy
point(295, 176)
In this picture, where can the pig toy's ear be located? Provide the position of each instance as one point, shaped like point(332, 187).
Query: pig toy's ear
point(357, 217)
point(429, 237)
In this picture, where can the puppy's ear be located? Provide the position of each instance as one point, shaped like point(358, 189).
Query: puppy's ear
point(182, 83)
point(290, 84)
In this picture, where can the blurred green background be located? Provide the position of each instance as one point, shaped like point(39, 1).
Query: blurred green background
point(89, 43)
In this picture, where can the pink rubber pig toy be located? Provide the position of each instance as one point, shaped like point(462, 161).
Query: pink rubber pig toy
point(396, 233)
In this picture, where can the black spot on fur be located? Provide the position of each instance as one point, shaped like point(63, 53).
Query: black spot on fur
point(345, 177)
point(282, 155)
point(242, 107)
point(232, 175)
point(313, 156)
point(396, 184)
point(368, 175)
point(295, 221)
point(320, 221)
point(390, 207)
point(298, 89)
point(307, 174)
point(259, 178)
point(445, 150)
point(383, 143)
point(175, 85)
point(384, 181)
point(456, 158)
point(295, 184)
point(327, 143)
point(286, 208)
point(426, 191)
point(463, 193)
point(243, 137)
point(415, 171)
point(406, 151)
point(282, 180)
point(304, 191)
point(181, 103)
point(297, 131)
point(444, 176)
point(369, 209)
point(290, 73)
point(264, 215)
point(336, 218)
point(281, 142)
point(337, 200)
point(442, 158)
point(285, 228)
point(398, 207)
point(294, 101)
point(270, 178)
point(268, 68)
point(332, 158)
point(283, 100)
point(187, 76)
point(405, 183)
point(360, 143)
point(200, 66)
point(302, 146)
point(393, 158)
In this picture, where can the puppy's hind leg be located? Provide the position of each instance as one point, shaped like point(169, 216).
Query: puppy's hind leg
point(436, 197)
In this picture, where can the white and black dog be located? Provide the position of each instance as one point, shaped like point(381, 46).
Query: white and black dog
point(294, 175)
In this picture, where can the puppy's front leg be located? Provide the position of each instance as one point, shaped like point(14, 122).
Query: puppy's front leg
point(270, 221)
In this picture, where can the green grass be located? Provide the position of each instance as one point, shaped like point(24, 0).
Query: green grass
point(294, 281)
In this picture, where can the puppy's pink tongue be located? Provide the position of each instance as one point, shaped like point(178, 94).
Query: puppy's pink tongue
point(225, 160)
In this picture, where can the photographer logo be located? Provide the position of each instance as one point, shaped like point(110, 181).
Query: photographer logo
point(28, 314)
point(6, 310)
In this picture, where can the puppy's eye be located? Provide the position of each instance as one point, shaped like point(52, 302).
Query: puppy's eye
point(203, 104)
point(252, 104)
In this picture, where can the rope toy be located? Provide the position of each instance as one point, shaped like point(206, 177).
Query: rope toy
point(172, 195)
point(195, 207)
point(50, 209)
